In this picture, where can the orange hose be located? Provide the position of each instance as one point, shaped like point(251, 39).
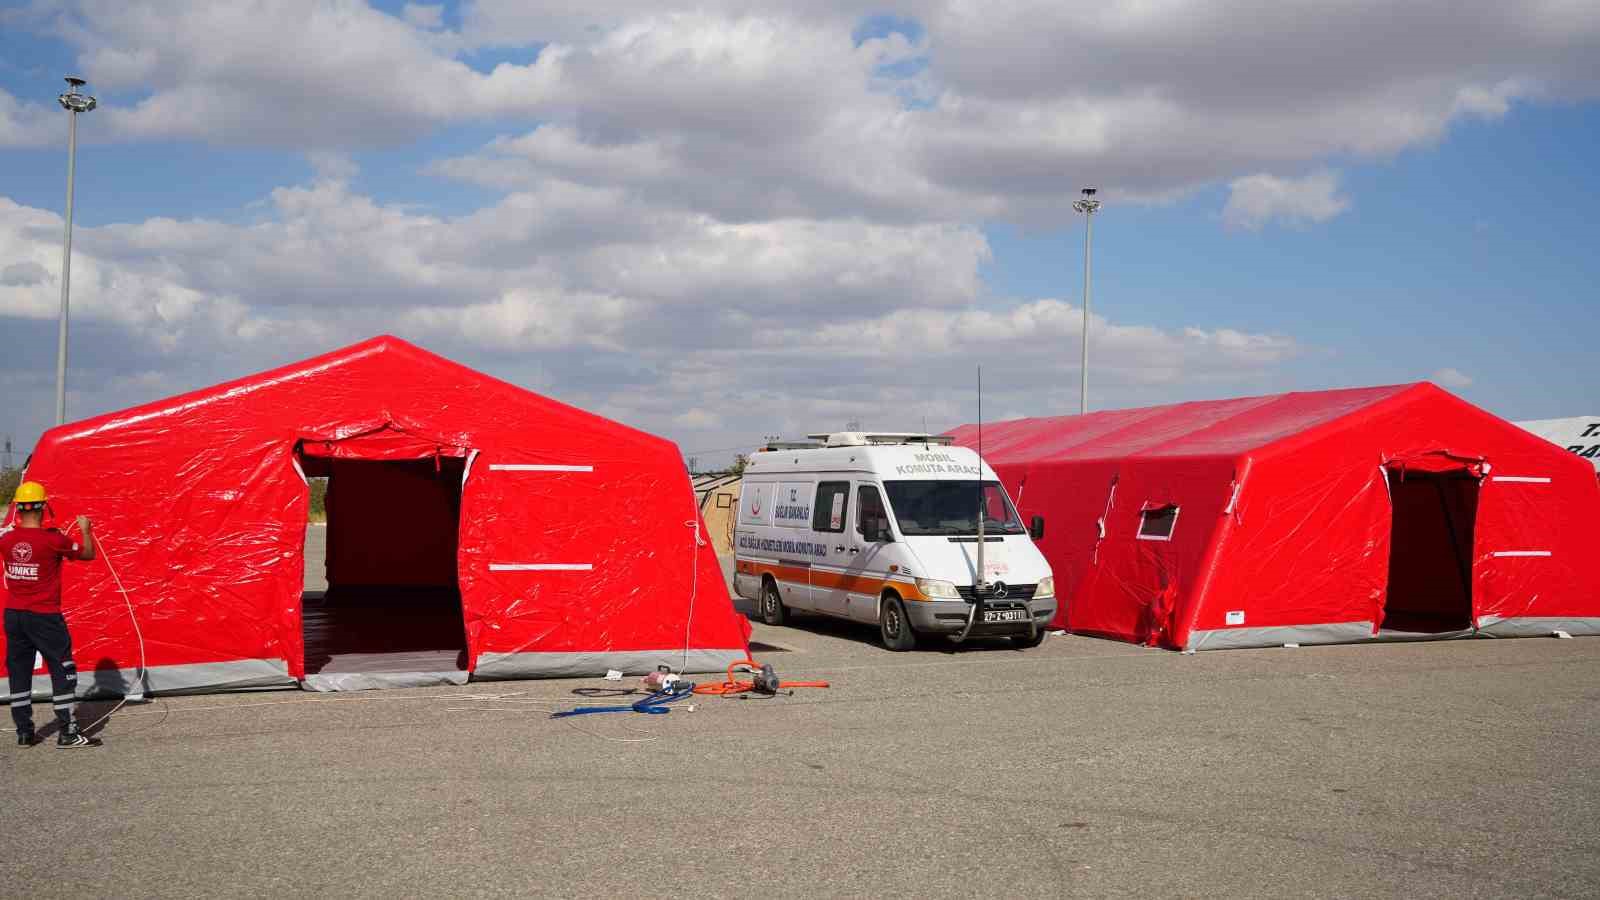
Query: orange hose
point(735, 686)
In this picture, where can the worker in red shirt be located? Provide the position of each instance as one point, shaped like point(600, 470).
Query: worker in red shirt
point(31, 555)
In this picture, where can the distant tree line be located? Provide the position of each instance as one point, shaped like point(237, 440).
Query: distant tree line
point(739, 462)
point(10, 477)
point(319, 499)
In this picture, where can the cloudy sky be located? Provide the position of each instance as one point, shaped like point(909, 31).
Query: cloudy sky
point(734, 219)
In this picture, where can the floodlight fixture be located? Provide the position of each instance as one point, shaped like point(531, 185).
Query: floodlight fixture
point(1088, 205)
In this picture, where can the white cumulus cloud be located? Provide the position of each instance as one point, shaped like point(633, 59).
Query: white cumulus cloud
point(706, 330)
point(1256, 200)
point(982, 115)
point(1451, 378)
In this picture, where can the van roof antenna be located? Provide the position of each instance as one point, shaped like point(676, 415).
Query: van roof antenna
point(979, 584)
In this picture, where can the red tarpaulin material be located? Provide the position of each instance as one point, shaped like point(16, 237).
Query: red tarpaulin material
point(567, 544)
point(1389, 512)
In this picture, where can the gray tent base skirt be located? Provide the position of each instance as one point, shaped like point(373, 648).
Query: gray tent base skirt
point(504, 666)
point(273, 674)
point(194, 678)
point(1361, 632)
point(377, 681)
point(578, 665)
point(1538, 626)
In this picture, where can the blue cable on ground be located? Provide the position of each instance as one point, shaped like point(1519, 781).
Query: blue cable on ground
point(655, 704)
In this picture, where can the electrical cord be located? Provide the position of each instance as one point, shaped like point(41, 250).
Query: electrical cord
point(694, 583)
point(655, 704)
point(141, 681)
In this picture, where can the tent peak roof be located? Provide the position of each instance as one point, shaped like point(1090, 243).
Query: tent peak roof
point(383, 379)
point(1213, 428)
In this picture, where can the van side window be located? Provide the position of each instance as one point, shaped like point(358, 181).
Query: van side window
point(832, 501)
point(870, 511)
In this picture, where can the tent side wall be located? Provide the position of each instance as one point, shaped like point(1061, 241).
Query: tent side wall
point(1146, 588)
point(1536, 562)
point(1120, 585)
point(603, 565)
point(1536, 499)
point(1070, 496)
point(1304, 556)
point(205, 527)
point(1307, 557)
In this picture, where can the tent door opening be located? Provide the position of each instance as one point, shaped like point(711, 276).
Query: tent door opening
point(392, 603)
point(1430, 555)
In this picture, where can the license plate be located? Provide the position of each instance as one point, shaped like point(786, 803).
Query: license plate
point(1005, 615)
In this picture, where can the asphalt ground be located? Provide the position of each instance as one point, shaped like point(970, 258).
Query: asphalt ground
point(1080, 768)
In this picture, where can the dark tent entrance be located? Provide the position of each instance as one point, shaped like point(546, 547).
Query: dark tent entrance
point(392, 604)
point(1430, 552)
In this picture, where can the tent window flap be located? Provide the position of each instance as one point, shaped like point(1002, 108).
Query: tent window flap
point(1156, 523)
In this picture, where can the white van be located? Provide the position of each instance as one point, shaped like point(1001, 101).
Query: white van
point(883, 528)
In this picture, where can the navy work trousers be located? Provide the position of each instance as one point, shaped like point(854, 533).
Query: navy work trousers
point(28, 633)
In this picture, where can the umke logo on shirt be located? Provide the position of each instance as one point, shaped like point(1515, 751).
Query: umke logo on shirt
point(21, 564)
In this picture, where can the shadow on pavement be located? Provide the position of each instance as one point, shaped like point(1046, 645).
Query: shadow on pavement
point(867, 634)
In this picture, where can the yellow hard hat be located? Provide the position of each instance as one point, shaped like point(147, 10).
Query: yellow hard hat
point(30, 492)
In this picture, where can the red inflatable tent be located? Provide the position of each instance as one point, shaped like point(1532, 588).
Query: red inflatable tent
point(475, 528)
point(1389, 512)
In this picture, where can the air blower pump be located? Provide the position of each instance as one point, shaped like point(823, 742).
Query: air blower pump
point(764, 680)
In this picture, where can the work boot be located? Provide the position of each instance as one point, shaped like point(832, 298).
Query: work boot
point(26, 739)
point(70, 736)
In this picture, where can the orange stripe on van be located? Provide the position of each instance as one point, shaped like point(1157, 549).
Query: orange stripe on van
point(856, 584)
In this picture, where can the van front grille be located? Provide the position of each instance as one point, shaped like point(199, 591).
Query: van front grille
point(1013, 592)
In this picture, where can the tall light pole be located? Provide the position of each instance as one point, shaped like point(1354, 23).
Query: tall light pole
point(1088, 206)
point(74, 103)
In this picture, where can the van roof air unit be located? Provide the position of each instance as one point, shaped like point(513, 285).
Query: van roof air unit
point(863, 438)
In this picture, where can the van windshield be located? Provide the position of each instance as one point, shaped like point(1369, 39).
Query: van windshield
point(951, 507)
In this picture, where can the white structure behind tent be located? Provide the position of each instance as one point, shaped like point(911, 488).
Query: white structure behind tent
point(718, 496)
point(1579, 434)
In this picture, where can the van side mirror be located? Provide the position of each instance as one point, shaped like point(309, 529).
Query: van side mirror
point(1036, 530)
point(877, 532)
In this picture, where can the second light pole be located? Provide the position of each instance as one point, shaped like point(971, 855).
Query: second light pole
point(73, 102)
point(1088, 206)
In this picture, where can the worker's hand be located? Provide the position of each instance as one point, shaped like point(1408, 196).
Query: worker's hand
point(83, 523)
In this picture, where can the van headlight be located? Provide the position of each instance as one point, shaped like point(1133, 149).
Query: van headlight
point(1046, 588)
point(934, 589)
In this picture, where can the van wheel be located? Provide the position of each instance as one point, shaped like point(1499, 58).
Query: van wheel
point(773, 612)
point(893, 626)
point(1023, 642)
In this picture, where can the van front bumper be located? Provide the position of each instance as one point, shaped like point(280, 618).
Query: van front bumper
point(950, 616)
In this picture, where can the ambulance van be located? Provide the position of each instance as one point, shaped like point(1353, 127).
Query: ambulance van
point(884, 529)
